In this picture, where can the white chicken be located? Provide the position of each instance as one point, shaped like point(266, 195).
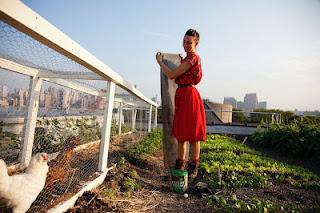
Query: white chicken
point(21, 190)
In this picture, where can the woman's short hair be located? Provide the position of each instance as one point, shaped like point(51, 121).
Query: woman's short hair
point(193, 33)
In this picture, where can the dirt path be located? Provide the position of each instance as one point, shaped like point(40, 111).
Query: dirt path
point(152, 195)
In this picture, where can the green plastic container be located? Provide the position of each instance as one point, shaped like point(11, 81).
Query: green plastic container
point(179, 180)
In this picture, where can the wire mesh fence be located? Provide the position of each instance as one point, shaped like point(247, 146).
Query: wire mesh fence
point(19, 47)
point(13, 101)
point(70, 115)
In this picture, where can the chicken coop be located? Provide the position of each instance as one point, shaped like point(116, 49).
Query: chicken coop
point(57, 98)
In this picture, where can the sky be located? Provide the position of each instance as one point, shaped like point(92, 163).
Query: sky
point(267, 47)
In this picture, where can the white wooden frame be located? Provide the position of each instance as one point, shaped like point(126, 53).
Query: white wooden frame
point(133, 119)
point(155, 125)
point(31, 119)
point(106, 128)
point(120, 118)
point(150, 118)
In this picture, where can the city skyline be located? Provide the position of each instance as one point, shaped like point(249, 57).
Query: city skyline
point(51, 97)
point(250, 102)
point(65, 99)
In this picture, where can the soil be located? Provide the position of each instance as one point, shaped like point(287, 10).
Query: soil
point(154, 195)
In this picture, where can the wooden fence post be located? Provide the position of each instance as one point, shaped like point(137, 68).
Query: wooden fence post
point(155, 124)
point(150, 118)
point(31, 119)
point(120, 118)
point(133, 119)
point(106, 127)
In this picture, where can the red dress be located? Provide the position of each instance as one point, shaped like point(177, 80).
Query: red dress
point(189, 122)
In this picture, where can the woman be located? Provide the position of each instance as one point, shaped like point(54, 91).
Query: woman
point(189, 123)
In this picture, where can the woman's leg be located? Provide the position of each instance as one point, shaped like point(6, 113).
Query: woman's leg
point(194, 160)
point(195, 151)
point(181, 161)
point(182, 150)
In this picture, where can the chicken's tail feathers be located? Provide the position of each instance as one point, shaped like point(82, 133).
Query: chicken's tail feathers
point(3, 172)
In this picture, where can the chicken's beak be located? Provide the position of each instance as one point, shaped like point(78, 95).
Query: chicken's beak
point(45, 156)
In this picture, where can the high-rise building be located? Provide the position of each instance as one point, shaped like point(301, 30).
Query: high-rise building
point(3, 92)
point(47, 100)
point(231, 101)
point(240, 105)
point(41, 99)
point(100, 102)
point(4, 103)
point(25, 97)
point(53, 92)
point(3, 96)
point(262, 105)
point(250, 101)
point(66, 99)
point(20, 98)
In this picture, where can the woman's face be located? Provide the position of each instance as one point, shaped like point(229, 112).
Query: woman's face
point(189, 43)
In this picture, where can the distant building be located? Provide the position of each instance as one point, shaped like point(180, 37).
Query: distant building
point(59, 102)
point(66, 99)
point(41, 99)
point(250, 101)
point(4, 92)
point(311, 113)
point(47, 100)
point(262, 105)
point(297, 112)
point(100, 102)
point(231, 101)
point(53, 92)
point(21, 96)
point(4, 103)
point(3, 96)
point(240, 105)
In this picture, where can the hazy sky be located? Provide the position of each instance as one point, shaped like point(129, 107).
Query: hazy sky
point(268, 47)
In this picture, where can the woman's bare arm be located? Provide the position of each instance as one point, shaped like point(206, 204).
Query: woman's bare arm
point(172, 74)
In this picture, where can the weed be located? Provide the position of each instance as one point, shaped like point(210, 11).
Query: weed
point(111, 192)
point(130, 185)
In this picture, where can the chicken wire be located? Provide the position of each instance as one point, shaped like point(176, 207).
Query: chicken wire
point(13, 102)
point(21, 48)
point(69, 122)
point(72, 140)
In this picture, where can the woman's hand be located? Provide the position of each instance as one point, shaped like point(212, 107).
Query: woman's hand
point(159, 57)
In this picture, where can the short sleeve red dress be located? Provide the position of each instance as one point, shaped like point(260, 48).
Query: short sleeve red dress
point(189, 122)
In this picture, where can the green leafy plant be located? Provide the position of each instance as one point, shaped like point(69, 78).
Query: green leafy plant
point(300, 138)
point(130, 185)
point(229, 164)
point(231, 203)
point(150, 143)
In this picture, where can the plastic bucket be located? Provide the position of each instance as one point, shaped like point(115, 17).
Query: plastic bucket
point(179, 180)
